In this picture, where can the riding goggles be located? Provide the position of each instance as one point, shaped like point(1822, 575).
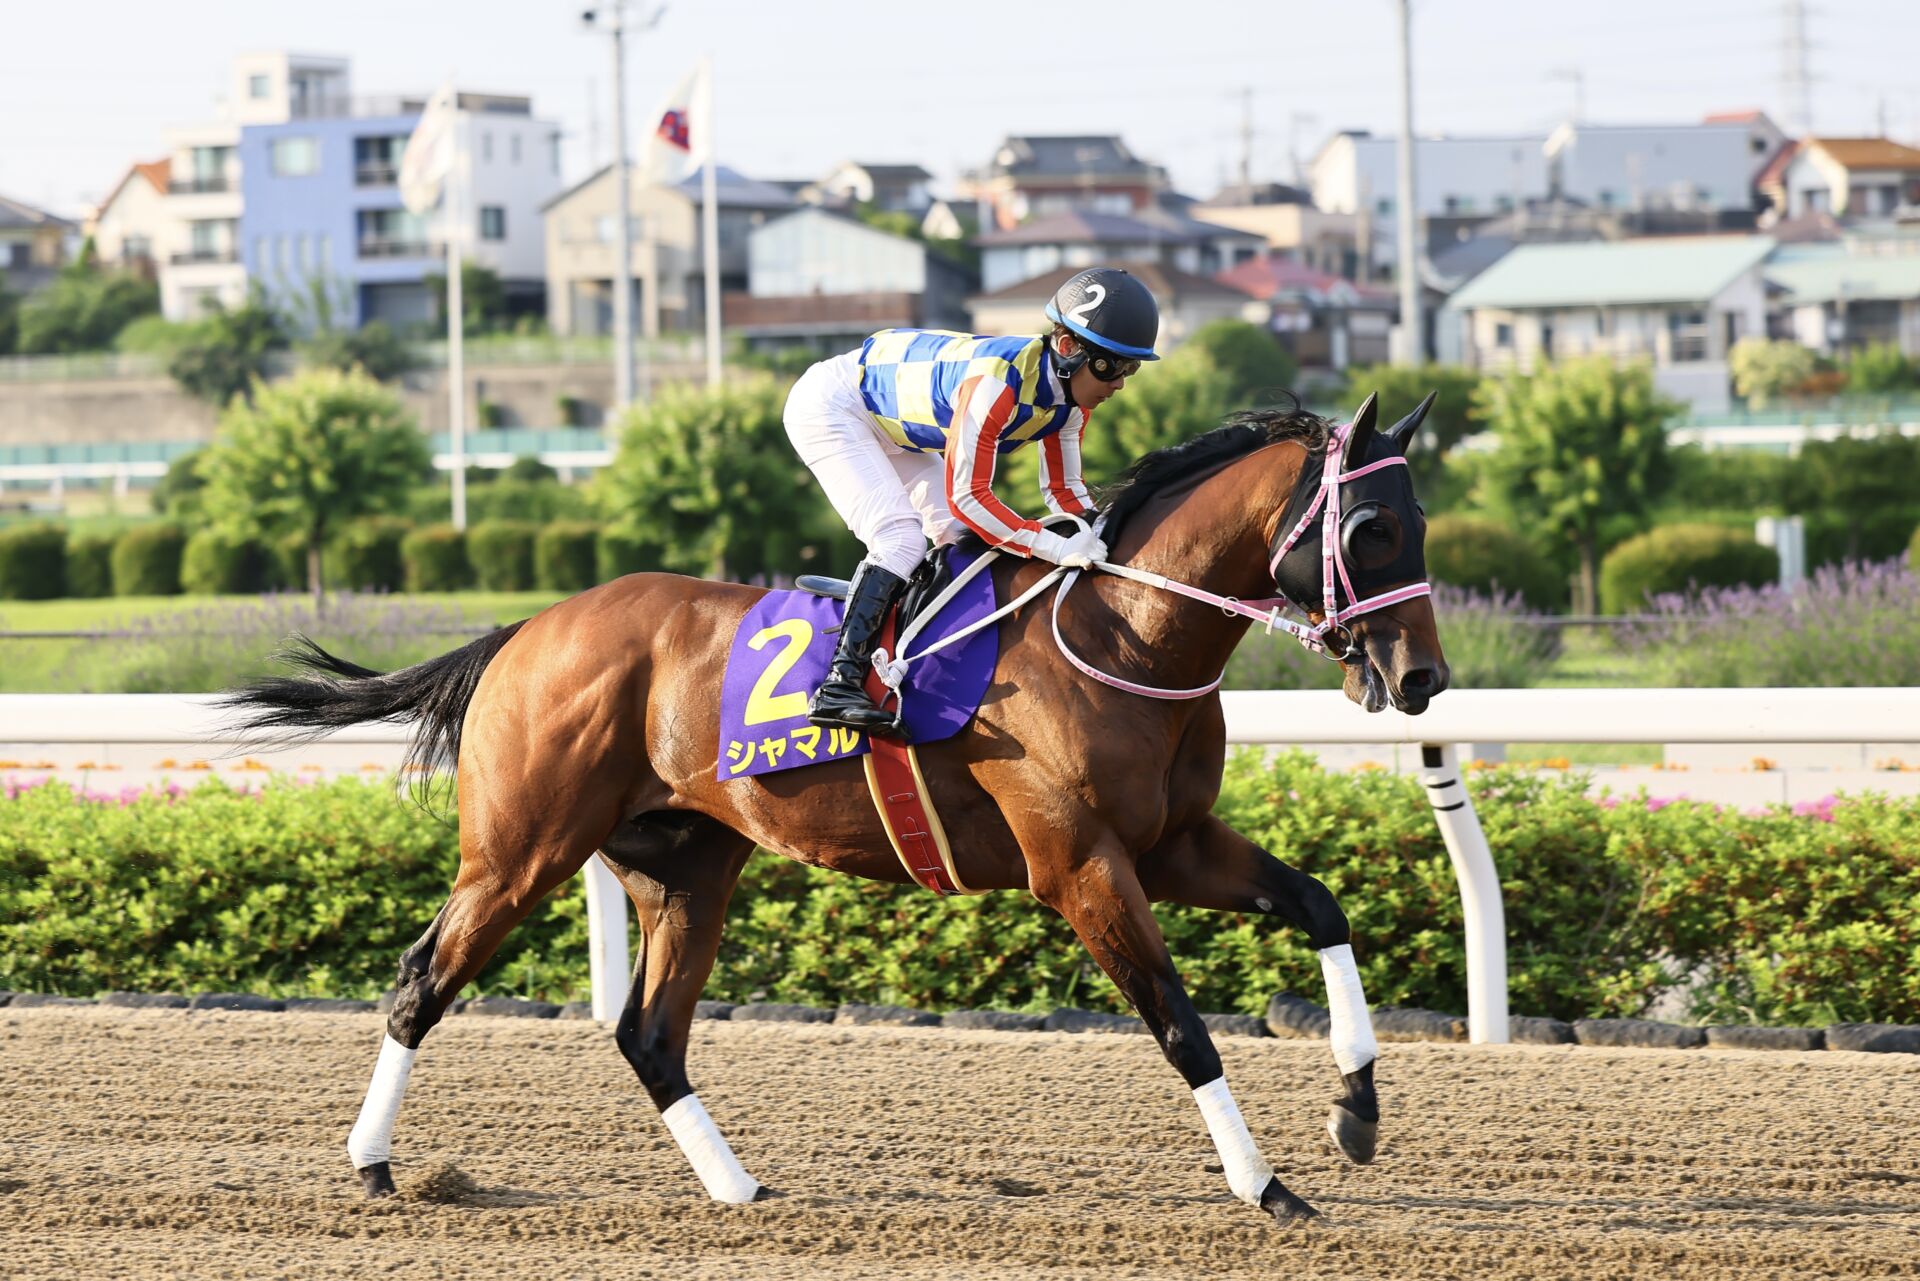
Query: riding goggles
point(1109, 368)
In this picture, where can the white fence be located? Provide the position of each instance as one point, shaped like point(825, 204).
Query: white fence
point(1253, 717)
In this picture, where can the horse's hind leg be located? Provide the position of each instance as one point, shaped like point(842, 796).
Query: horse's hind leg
point(501, 878)
point(680, 870)
point(1212, 866)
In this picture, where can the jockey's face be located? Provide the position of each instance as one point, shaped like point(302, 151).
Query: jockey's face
point(1087, 391)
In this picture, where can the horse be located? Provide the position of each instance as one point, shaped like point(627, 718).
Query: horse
point(591, 727)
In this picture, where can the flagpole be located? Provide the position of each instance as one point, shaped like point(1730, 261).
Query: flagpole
point(710, 225)
point(623, 241)
point(456, 324)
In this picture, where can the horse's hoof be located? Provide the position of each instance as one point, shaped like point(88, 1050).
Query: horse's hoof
point(1358, 1139)
point(1286, 1208)
point(377, 1179)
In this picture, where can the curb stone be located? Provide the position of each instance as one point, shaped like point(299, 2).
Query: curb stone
point(994, 1021)
point(1525, 1029)
point(884, 1016)
point(1874, 1038)
point(1234, 1025)
point(1643, 1033)
point(577, 1010)
point(237, 1001)
point(1295, 1016)
point(5, 997)
point(327, 1005)
point(1392, 1023)
point(1070, 1020)
point(512, 1007)
point(145, 1000)
point(1766, 1038)
point(36, 1000)
point(774, 1012)
point(714, 1009)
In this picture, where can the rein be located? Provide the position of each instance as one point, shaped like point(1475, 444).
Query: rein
point(1333, 570)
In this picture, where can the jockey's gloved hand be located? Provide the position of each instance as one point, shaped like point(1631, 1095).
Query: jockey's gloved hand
point(1076, 551)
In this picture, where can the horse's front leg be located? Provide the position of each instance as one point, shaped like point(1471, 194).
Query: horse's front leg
point(1100, 896)
point(1212, 866)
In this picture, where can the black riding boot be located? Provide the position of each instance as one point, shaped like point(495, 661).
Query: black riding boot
point(842, 700)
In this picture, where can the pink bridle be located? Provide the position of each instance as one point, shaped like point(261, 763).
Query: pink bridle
point(1333, 569)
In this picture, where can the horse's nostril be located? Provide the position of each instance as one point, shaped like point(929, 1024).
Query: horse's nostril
point(1420, 678)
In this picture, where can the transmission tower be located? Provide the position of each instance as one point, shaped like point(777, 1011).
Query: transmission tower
point(1796, 84)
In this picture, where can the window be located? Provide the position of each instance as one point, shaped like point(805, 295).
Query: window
point(280, 256)
point(1383, 207)
point(295, 157)
point(1686, 336)
point(259, 262)
point(1503, 334)
point(136, 247)
point(259, 87)
point(301, 262)
point(1606, 198)
point(486, 144)
point(553, 144)
point(323, 249)
point(513, 148)
point(376, 161)
point(493, 222)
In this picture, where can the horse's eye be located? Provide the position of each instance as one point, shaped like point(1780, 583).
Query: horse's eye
point(1377, 530)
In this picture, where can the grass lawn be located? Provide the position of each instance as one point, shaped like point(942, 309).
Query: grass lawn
point(111, 611)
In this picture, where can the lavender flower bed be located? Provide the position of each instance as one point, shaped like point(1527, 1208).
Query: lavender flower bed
point(1849, 625)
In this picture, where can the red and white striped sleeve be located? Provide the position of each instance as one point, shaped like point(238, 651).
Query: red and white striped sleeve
point(1060, 482)
point(980, 414)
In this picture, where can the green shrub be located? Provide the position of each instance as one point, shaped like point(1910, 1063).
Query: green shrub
point(33, 562)
point(215, 563)
point(1913, 552)
point(512, 497)
point(146, 560)
point(502, 554)
point(436, 559)
point(1483, 555)
point(1673, 558)
point(1881, 367)
point(289, 560)
point(563, 556)
point(1873, 535)
point(90, 565)
point(366, 557)
point(618, 551)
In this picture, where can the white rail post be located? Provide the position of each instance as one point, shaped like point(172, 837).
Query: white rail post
point(1486, 918)
point(607, 939)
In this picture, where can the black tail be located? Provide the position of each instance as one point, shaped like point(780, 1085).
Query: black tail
point(296, 709)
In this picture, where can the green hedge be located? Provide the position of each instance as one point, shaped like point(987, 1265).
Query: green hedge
point(1674, 558)
point(90, 565)
point(619, 551)
point(33, 562)
point(218, 564)
point(563, 556)
point(146, 561)
point(502, 554)
point(367, 556)
point(1913, 553)
point(1483, 555)
point(436, 559)
point(316, 889)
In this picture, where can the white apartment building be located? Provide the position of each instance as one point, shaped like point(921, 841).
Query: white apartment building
point(1707, 166)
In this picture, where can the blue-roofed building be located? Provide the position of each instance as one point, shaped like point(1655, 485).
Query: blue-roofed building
point(320, 205)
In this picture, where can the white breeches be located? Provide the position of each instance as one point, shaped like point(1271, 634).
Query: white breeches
point(893, 499)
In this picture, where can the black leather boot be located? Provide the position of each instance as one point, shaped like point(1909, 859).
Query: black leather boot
point(842, 700)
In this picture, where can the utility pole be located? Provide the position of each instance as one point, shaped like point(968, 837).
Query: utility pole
point(1412, 326)
point(1579, 79)
point(1246, 141)
point(614, 19)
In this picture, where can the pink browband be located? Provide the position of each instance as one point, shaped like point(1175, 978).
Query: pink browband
point(1267, 612)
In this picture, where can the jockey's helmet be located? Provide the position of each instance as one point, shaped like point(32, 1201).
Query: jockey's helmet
point(1110, 312)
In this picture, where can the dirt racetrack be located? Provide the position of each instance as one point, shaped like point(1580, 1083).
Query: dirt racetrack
point(151, 1143)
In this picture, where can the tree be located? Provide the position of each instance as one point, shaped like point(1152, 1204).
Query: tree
point(178, 492)
point(1853, 480)
point(83, 309)
point(372, 347)
point(310, 454)
point(1580, 441)
point(228, 350)
point(1253, 370)
point(1881, 367)
point(1766, 370)
point(483, 300)
point(710, 477)
point(1454, 415)
point(9, 317)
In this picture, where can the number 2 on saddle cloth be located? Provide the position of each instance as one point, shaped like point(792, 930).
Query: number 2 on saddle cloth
point(780, 654)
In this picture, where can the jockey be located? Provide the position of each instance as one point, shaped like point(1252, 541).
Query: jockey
point(904, 433)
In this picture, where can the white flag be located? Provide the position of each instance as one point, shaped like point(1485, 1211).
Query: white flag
point(430, 153)
point(679, 138)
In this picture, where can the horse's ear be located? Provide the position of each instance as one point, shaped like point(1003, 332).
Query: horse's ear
point(1361, 438)
point(1403, 432)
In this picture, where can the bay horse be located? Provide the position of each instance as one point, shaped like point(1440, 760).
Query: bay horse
point(593, 726)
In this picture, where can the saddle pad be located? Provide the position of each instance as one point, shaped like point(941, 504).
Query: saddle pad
point(779, 656)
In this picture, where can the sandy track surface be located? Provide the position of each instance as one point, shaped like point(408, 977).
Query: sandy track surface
point(165, 1144)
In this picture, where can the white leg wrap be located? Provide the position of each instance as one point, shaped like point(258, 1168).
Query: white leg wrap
point(371, 1140)
point(719, 1170)
point(1247, 1171)
point(1352, 1032)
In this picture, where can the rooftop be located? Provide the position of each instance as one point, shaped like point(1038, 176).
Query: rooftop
point(1868, 153)
point(1275, 276)
point(732, 188)
point(1614, 273)
point(1069, 156)
point(1812, 273)
point(1166, 283)
point(17, 214)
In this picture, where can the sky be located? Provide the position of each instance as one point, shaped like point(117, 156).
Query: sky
point(85, 89)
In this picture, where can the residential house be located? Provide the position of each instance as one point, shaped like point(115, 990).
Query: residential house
point(819, 279)
point(1709, 166)
point(892, 188)
point(1851, 178)
point(1292, 226)
point(1326, 321)
point(1187, 301)
point(130, 226)
point(582, 229)
point(1679, 303)
point(1034, 176)
point(1086, 238)
point(1464, 178)
point(321, 205)
point(1844, 294)
point(33, 245)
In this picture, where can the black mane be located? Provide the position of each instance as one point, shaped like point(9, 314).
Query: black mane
point(1204, 454)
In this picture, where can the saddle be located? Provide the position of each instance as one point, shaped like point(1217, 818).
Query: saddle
point(924, 585)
